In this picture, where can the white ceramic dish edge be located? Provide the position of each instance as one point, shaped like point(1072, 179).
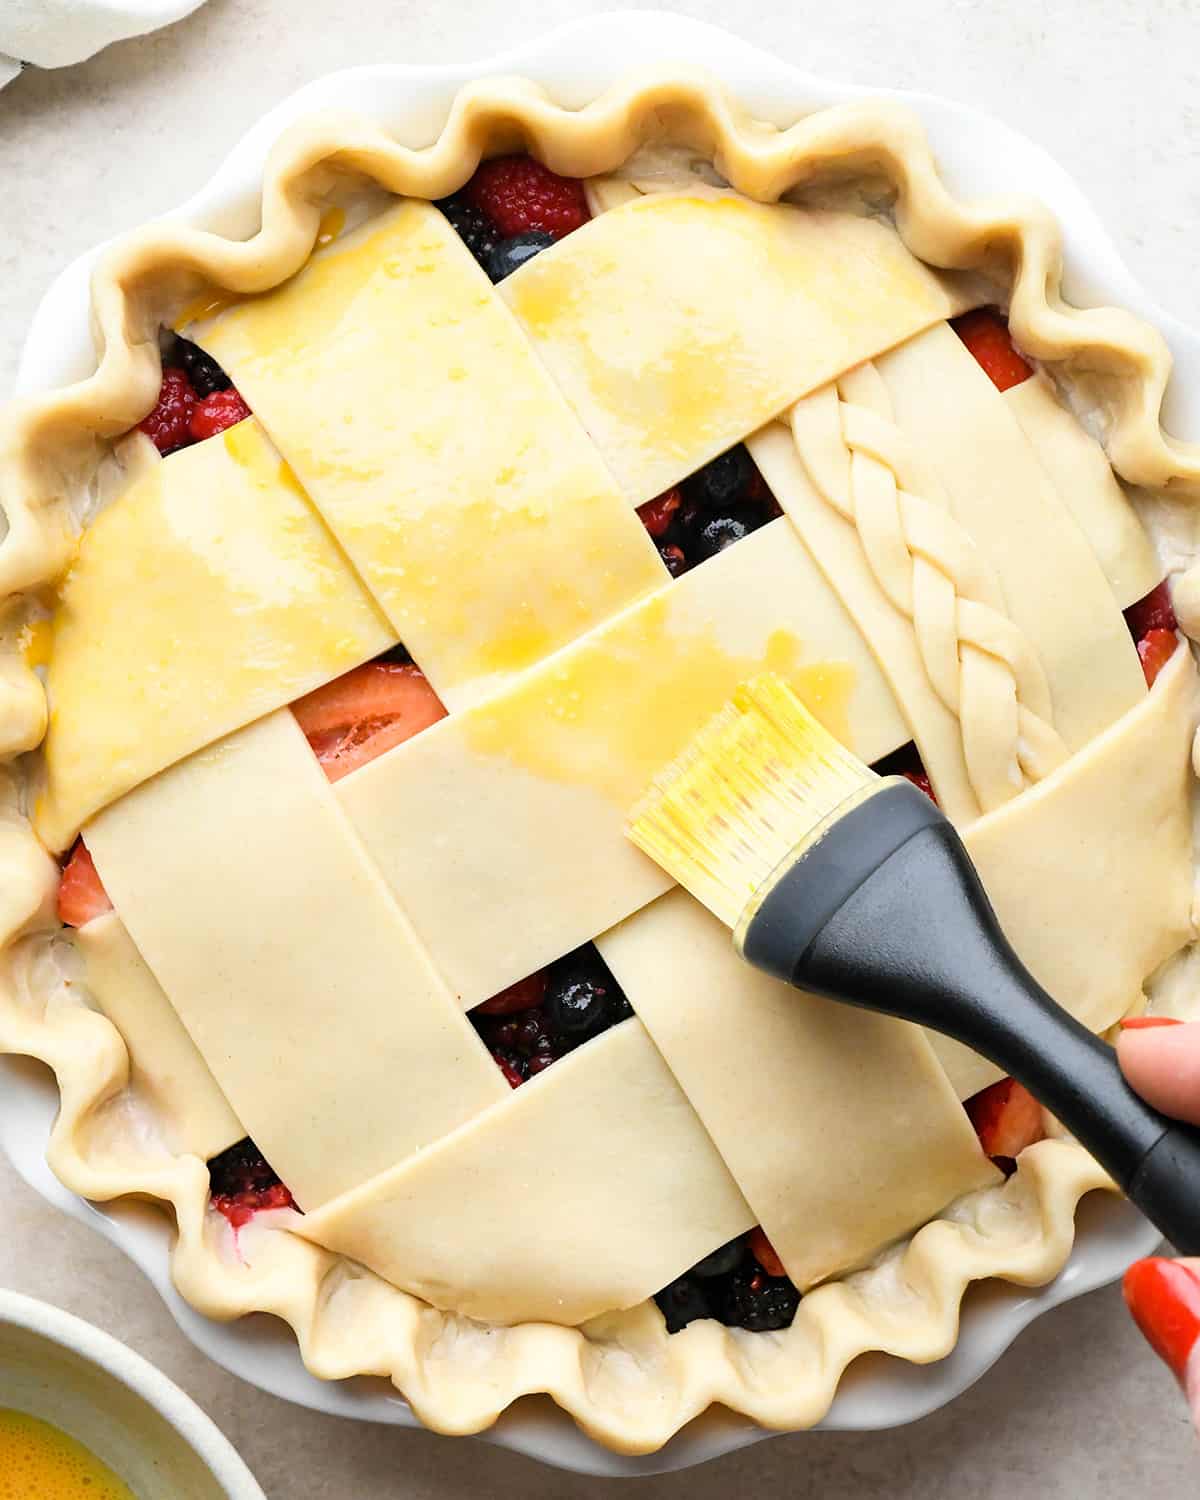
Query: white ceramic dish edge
point(979, 156)
point(184, 1436)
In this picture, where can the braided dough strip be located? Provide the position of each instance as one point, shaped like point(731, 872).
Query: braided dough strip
point(622, 1378)
point(979, 663)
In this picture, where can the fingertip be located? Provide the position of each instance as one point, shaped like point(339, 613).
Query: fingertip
point(1162, 1064)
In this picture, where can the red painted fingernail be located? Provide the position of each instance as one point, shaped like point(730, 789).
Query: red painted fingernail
point(1164, 1298)
point(1144, 1023)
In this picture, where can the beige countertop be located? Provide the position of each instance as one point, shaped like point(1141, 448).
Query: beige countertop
point(1078, 1407)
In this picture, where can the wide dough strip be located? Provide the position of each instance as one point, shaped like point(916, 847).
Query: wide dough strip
point(513, 810)
point(677, 323)
point(294, 971)
point(470, 499)
point(588, 1189)
point(839, 1126)
point(1082, 476)
point(164, 1063)
point(206, 595)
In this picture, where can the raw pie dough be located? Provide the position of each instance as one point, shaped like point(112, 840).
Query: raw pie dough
point(293, 960)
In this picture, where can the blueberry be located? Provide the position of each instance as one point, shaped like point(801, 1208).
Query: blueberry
point(511, 254)
point(474, 228)
point(721, 531)
point(203, 371)
point(728, 1258)
point(576, 1005)
point(682, 1303)
point(753, 1300)
point(722, 480)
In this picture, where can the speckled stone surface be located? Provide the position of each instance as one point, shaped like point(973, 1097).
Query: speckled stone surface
point(1078, 1407)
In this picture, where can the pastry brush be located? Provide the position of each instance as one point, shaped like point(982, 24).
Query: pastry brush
point(856, 887)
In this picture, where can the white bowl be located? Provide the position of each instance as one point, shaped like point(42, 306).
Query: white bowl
point(978, 155)
point(85, 1383)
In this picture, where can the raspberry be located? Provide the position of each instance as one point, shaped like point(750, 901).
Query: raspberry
point(217, 412)
point(517, 193)
point(765, 1253)
point(167, 426)
point(675, 559)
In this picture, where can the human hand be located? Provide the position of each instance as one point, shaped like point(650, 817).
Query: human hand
point(1161, 1061)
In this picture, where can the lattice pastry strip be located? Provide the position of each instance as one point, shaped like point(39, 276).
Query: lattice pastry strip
point(220, 542)
point(517, 804)
point(295, 973)
point(167, 1072)
point(854, 1135)
point(603, 1152)
point(469, 498)
point(677, 323)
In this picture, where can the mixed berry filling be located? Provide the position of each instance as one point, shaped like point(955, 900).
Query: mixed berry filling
point(539, 1019)
point(195, 401)
point(742, 1285)
point(718, 505)
point(510, 210)
point(242, 1184)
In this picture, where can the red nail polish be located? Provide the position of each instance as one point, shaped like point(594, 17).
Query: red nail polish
point(1145, 1023)
point(1164, 1298)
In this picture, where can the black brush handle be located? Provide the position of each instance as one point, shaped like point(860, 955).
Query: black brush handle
point(887, 912)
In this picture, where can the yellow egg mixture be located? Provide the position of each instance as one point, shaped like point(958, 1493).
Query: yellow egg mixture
point(38, 1462)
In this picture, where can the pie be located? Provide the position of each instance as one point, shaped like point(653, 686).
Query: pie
point(359, 592)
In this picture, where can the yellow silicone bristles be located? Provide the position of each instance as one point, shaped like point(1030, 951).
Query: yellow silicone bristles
point(753, 787)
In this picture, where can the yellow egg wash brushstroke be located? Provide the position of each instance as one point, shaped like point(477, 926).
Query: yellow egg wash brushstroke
point(38, 1462)
point(611, 713)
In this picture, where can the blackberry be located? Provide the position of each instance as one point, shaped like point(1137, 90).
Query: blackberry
point(723, 480)
point(721, 1262)
point(472, 226)
point(753, 1300)
point(511, 254)
point(241, 1168)
point(683, 1302)
point(721, 531)
point(204, 372)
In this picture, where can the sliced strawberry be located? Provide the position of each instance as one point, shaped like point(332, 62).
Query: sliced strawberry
point(764, 1252)
point(1006, 1117)
point(358, 716)
point(523, 995)
point(986, 335)
point(1154, 612)
point(81, 893)
point(657, 514)
point(920, 779)
point(1155, 650)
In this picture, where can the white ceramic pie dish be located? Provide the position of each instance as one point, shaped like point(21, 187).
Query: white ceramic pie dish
point(62, 1370)
point(977, 156)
